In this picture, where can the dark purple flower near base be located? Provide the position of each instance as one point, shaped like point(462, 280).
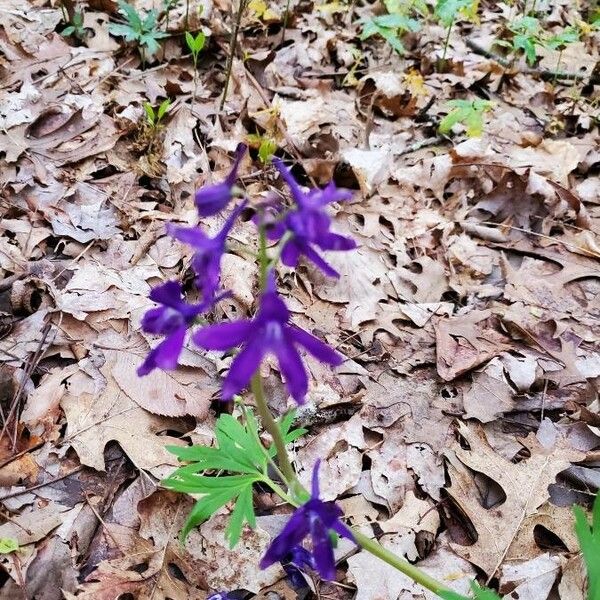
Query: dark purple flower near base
point(220, 596)
point(316, 519)
point(309, 224)
point(297, 561)
point(212, 199)
point(171, 319)
point(268, 332)
point(209, 252)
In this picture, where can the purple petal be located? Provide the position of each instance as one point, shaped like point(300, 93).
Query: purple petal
point(165, 355)
point(315, 480)
point(169, 294)
point(295, 530)
point(244, 365)
point(322, 550)
point(212, 199)
point(272, 308)
point(290, 254)
point(328, 512)
point(163, 320)
point(343, 530)
point(335, 241)
point(287, 176)
point(223, 336)
point(193, 236)
point(239, 154)
point(292, 369)
point(320, 350)
point(230, 222)
point(319, 262)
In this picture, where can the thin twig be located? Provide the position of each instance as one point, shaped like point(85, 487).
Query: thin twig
point(546, 74)
point(41, 485)
point(232, 49)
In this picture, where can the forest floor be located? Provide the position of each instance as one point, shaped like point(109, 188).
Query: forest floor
point(464, 423)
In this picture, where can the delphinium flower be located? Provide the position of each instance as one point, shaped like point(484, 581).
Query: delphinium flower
point(297, 561)
point(308, 224)
point(171, 319)
point(212, 199)
point(208, 252)
point(315, 518)
point(220, 596)
point(270, 331)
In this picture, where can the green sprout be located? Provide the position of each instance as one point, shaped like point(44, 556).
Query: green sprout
point(195, 44)
point(389, 27)
point(588, 535)
point(469, 113)
point(154, 116)
point(450, 11)
point(75, 27)
point(140, 29)
point(526, 37)
point(560, 41)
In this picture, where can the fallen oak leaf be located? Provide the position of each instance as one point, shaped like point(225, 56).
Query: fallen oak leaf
point(525, 487)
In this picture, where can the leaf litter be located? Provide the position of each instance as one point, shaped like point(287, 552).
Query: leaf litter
point(465, 421)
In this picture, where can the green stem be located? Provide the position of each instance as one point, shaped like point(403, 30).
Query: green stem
point(416, 574)
point(269, 423)
point(263, 259)
point(232, 46)
point(446, 43)
point(285, 21)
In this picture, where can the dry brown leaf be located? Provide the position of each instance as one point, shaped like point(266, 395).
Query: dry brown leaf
point(98, 412)
point(525, 485)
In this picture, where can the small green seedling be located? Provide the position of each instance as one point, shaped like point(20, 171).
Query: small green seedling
point(195, 44)
point(390, 28)
point(140, 29)
point(588, 535)
point(560, 41)
point(154, 116)
point(449, 12)
point(469, 113)
point(526, 37)
point(75, 27)
point(266, 146)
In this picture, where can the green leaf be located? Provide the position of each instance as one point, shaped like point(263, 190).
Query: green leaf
point(150, 113)
point(449, 11)
point(266, 150)
point(67, 31)
point(189, 40)
point(162, 109)
point(470, 113)
point(243, 512)
point(589, 542)
point(132, 16)
point(123, 30)
point(8, 545)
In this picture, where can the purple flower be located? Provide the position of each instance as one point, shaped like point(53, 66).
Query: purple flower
point(171, 319)
point(220, 596)
point(297, 560)
point(209, 252)
point(309, 224)
point(268, 332)
point(212, 199)
point(316, 518)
